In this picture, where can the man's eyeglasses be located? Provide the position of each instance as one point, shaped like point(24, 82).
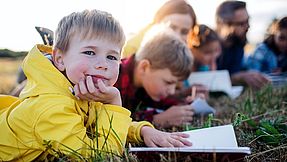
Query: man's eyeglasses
point(239, 23)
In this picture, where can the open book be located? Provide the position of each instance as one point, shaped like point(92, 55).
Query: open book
point(218, 140)
point(201, 107)
point(216, 81)
point(277, 80)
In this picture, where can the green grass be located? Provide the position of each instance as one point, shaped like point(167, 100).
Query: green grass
point(259, 119)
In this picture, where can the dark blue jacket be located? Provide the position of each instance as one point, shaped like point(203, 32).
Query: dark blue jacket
point(231, 58)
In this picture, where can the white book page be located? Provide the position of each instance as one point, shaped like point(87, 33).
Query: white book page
point(220, 136)
point(201, 107)
point(216, 81)
point(235, 91)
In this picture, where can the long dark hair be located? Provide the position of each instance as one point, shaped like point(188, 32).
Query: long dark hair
point(275, 26)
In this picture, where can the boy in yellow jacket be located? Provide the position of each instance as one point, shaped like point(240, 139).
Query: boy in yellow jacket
point(85, 56)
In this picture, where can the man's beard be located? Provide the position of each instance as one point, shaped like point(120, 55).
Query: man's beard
point(233, 39)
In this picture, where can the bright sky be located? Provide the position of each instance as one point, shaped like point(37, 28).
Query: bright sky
point(19, 17)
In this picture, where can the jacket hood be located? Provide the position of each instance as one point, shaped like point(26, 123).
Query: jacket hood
point(42, 76)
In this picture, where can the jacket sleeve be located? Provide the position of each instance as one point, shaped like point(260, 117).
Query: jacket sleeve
point(134, 134)
point(6, 101)
point(65, 125)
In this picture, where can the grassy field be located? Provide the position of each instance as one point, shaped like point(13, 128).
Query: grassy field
point(8, 74)
point(259, 120)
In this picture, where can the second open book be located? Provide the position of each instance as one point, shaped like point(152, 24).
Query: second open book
point(216, 81)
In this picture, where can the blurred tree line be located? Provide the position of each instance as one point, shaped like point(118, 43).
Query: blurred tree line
point(13, 54)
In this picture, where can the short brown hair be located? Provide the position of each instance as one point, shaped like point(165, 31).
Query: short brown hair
point(88, 24)
point(225, 11)
point(166, 50)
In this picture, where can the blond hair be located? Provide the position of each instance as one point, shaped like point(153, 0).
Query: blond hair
point(166, 50)
point(88, 24)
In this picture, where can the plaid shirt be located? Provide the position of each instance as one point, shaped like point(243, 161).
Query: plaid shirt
point(264, 59)
point(136, 99)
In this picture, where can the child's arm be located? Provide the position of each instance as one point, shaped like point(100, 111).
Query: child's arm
point(253, 79)
point(99, 92)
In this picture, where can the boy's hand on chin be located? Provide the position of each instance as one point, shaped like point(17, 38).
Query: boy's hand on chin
point(99, 92)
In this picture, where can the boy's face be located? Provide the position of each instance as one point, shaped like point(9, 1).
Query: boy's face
point(98, 58)
point(159, 83)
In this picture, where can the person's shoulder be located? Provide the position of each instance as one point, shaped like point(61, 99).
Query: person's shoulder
point(262, 46)
point(134, 40)
point(42, 107)
point(262, 49)
point(50, 102)
point(140, 34)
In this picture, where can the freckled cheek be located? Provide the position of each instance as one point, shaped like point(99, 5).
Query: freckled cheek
point(113, 73)
point(114, 78)
point(78, 70)
point(83, 67)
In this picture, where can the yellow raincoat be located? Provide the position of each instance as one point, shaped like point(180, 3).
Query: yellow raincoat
point(48, 114)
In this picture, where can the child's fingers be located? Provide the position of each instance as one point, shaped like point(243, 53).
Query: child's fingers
point(83, 92)
point(82, 87)
point(175, 143)
point(189, 112)
point(87, 97)
point(78, 94)
point(187, 119)
point(167, 142)
point(83, 97)
point(185, 142)
point(181, 137)
point(76, 91)
point(102, 86)
point(90, 84)
point(150, 144)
